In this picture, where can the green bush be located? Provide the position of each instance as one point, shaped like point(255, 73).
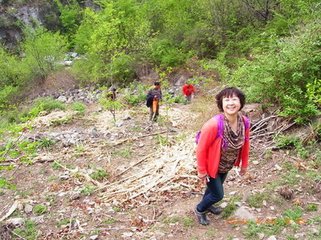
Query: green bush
point(44, 50)
point(122, 69)
point(47, 105)
point(284, 74)
point(135, 94)
point(6, 95)
point(79, 107)
point(164, 53)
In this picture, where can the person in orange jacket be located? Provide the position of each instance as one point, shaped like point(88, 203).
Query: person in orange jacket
point(154, 96)
point(188, 90)
point(222, 144)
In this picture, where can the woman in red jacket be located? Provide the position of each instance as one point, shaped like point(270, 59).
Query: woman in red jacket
point(188, 90)
point(223, 143)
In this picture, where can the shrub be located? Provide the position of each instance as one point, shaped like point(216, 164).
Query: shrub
point(284, 74)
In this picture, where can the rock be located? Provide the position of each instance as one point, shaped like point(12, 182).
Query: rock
point(15, 221)
point(243, 213)
point(223, 205)
point(272, 238)
point(93, 237)
point(62, 99)
point(260, 235)
point(299, 236)
point(64, 176)
point(277, 167)
point(28, 208)
point(127, 117)
point(38, 219)
point(127, 234)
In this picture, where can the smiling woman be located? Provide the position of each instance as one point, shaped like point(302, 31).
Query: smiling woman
point(216, 156)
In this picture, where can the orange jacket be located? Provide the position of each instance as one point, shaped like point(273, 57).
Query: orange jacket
point(208, 152)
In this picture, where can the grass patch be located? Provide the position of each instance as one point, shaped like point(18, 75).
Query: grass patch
point(311, 207)
point(172, 219)
point(4, 184)
point(110, 220)
point(231, 207)
point(79, 107)
point(188, 222)
point(28, 231)
point(61, 121)
point(39, 209)
point(99, 175)
point(87, 190)
point(125, 153)
point(256, 200)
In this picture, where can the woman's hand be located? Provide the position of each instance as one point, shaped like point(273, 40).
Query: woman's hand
point(204, 178)
point(243, 171)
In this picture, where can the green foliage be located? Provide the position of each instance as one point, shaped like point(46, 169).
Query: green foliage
point(43, 50)
point(12, 73)
point(164, 53)
point(283, 74)
point(230, 208)
point(110, 220)
point(6, 95)
point(111, 105)
point(39, 209)
point(293, 214)
point(44, 105)
point(87, 190)
point(311, 207)
point(125, 153)
point(107, 35)
point(28, 232)
point(4, 184)
point(314, 92)
point(79, 107)
point(70, 17)
point(45, 143)
point(268, 228)
point(99, 175)
point(122, 69)
point(135, 94)
point(284, 141)
point(256, 200)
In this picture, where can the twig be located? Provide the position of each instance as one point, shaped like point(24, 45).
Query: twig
point(16, 234)
point(133, 165)
point(11, 210)
point(87, 177)
point(134, 138)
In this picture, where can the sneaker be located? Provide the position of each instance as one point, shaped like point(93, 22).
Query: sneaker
point(201, 217)
point(215, 210)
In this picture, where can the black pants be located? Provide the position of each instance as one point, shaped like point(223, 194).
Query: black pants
point(214, 192)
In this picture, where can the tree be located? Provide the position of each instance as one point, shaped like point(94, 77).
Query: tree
point(43, 51)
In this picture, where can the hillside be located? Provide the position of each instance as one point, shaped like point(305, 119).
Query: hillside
point(89, 178)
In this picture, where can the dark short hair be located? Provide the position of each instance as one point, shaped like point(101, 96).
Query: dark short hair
point(229, 92)
point(157, 83)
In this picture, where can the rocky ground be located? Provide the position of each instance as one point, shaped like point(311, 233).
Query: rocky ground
point(133, 179)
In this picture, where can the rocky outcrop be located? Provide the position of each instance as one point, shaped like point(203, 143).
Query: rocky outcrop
point(15, 15)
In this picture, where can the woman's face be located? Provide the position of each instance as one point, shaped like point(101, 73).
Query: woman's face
point(231, 105)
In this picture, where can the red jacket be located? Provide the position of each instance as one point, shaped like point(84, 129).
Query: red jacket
point(208, 152)
point(188, 89)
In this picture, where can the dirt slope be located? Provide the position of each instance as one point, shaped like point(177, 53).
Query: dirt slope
point(137, 180)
